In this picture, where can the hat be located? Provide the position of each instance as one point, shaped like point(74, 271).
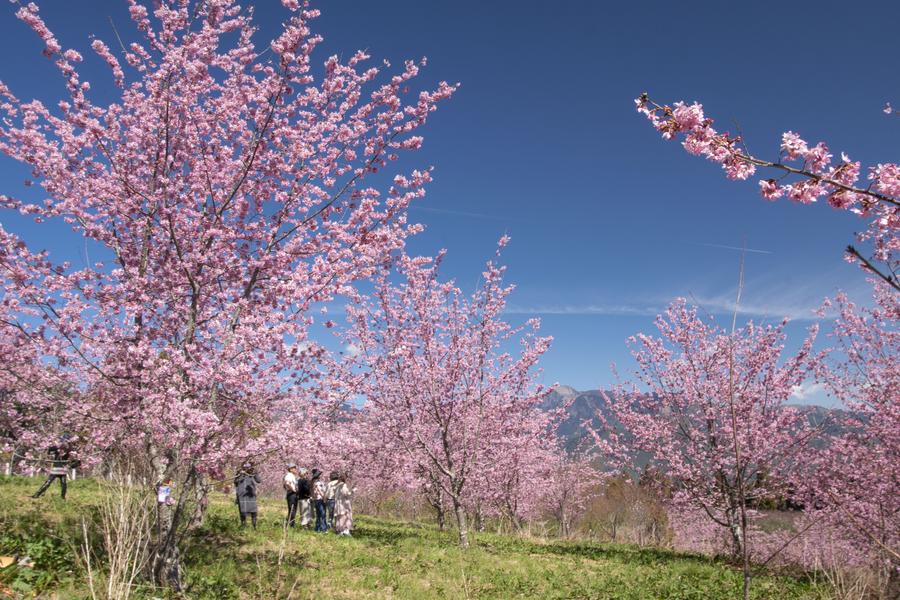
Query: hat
point(303, 471)
point(291, 465)
point(316, 473)
point(247, 465)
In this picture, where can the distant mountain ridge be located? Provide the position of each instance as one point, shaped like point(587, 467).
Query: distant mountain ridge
point(584, 405)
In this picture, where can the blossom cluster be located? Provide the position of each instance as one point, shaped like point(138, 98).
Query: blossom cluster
point(809, 172)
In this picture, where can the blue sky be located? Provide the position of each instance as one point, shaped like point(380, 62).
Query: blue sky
point(608, 222)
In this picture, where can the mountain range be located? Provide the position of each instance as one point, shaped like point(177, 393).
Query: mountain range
point(584, 406)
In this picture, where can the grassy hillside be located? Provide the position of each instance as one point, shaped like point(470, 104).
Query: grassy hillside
point(383, 559)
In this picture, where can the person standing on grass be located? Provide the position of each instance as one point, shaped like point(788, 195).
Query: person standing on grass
point(304, 493)
point(319, 495)
point(290, 493)
point(333, 484)
point(59, 469)
point(245, 483)
point(343, 511)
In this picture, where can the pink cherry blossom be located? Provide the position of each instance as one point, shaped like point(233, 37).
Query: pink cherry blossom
point(770, 189)
point(701, 391)
point(465, 411)
point(234, 189)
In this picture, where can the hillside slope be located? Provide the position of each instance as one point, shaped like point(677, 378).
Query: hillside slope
point(384, 559)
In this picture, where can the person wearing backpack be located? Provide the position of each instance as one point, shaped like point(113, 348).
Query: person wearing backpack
point(304, 493)
point(245, 483)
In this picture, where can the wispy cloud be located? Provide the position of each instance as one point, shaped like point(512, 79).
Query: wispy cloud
point(714, 306)
point(585, 309)
point(779, 295)
point(776, 293)
point(797, 309)
point(772, 296)
point(738, 248)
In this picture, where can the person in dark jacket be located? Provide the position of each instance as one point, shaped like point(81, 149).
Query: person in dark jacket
point(59, 457)
point(304, 492)
point(245, 483)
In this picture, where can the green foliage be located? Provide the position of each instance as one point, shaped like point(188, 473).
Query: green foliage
point(45, 555)
point(214, 587)
point(383, 559)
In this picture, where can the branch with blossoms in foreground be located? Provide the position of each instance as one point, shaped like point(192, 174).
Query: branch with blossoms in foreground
point(807, 174)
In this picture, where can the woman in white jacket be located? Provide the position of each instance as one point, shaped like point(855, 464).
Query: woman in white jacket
point(343, 511)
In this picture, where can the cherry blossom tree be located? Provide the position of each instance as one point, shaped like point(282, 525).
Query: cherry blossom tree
point(570, 485)
point(857, 481)
point(229, 182)
point(709, 409)
point(29, 392)
point(519, 477)
point(440, 379)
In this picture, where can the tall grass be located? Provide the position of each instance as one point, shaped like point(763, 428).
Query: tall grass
point(123, 518)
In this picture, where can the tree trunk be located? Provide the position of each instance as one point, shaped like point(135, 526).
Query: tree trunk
point(200, 492)
point(436, 499)
point(14, 461)
point(892, 587)
point(737, 539)
point(737, 525)
point(165, 563)
point(732, 517)
point(461, 524)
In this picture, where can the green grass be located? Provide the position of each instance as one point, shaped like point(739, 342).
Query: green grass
point(383, 559)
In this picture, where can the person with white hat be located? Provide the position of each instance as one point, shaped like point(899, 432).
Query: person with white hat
point(290, 490)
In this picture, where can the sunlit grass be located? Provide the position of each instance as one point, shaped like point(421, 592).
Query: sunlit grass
point(383, 559)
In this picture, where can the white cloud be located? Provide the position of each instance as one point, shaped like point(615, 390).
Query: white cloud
point(808, 390)
point(585, 309)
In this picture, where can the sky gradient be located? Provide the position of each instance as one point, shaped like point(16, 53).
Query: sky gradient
point(608, 222)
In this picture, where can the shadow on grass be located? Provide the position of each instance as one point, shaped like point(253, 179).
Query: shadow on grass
point(594, 551)
point(653, 557)
point(646, 556)
point(384, 536)
point(388, 533)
